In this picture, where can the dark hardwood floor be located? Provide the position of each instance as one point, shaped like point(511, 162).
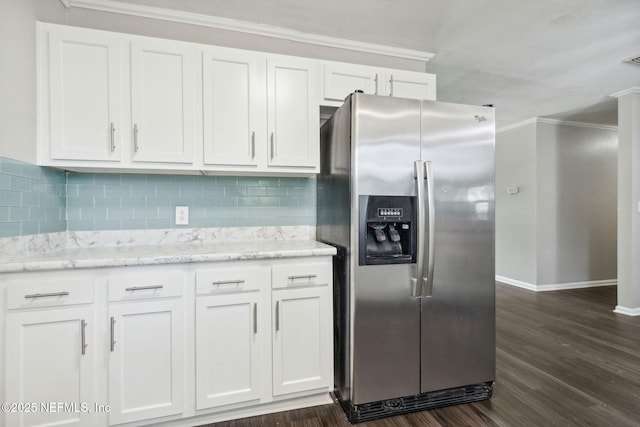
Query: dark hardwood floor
point(563, 359)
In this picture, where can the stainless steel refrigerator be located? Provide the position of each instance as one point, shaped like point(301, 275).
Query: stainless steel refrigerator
point(406, 195)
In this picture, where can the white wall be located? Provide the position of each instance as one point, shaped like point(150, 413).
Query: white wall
point(18, 59)
point(576, 209)
point(515, 214)
point(18, 74)
point(629, 203)
point(560, 229)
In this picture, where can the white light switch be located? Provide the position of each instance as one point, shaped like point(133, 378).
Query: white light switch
point(182, 215)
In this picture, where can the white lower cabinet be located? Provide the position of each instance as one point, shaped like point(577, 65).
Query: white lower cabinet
point(51, 348)
point(146, 369)
point(229, 335)
point(146, 343)
point(302, 327)
point(227, 350)
point(181, 344)
point(300, 359)
point(50, 369)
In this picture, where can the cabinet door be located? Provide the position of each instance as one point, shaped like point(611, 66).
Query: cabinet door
point(50, 360)
point(84, 95)
point(235, 102)
point(410, 84)
point(302, 346)
point(228, 350)
point(293, 112)
point(162, 101)
point(146, 372)
point(340, 80)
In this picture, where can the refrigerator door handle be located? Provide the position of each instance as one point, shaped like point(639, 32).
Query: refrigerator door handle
point(417, 281)
point(428, 291)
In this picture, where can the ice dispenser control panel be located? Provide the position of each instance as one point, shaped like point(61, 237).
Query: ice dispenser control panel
point(387, 230)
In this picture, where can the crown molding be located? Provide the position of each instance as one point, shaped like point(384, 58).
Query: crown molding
point(246, 27)
point(550, 121)
point(577, 124)
point(516, 125)
point(622, 93)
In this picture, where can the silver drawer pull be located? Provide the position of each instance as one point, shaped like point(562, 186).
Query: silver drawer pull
point(144, 288)
point(303, 276)
point(83, 338)
point(52, 294)
point(113, 339)
point(228, 282)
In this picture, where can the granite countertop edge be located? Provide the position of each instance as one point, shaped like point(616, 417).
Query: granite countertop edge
point(97, 257)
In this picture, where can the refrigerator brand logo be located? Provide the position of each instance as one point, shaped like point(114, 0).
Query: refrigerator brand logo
point(481, 119)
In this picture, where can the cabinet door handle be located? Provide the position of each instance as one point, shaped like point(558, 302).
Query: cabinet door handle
point(391, 85)
point(113, 341)
point(144, 288)
point(376, 80)
point(277, 316)
point(228, 282)
point(253, 145)
point(51, 294)
point(83, 335)
point(255, 318)
point(303, 276)
point(272, 146)
point(135, 138)
point(113, 138)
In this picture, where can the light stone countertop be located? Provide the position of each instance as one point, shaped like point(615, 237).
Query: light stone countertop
point(73, 256)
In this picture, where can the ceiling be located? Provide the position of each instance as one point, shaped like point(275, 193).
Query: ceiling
point(539, 58)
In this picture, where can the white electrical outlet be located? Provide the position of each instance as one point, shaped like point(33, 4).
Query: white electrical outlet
point(513, 190)
point(182, 215)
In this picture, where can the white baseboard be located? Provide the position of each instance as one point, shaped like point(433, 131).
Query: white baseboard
point(514, 282)
point(556, 286)
point(627, 311)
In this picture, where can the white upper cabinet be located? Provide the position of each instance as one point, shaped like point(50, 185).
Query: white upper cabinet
point(234, 103)
point(119, 102)
point(84, 85)
point(341, 79)
point(293, 113)
point(261, 112)
point(411, 84)
point(162, 101)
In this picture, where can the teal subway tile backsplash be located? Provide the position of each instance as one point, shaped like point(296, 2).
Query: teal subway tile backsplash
point(127, 201)
point(35, 199)
point(32, 199)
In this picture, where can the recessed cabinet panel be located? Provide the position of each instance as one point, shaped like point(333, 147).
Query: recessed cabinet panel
point(162, 80)
point(146, 370)
point(48, 361)
point(301, 349)
point(227, 349)
point(341, 80)
point(234, 103)
point(293, 113)
point(414, 85)
point(84, 96)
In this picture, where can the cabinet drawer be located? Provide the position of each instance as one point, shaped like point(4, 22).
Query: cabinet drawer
point(230, 279)
point(145, 285)
point(41, 292)
point(301, 274)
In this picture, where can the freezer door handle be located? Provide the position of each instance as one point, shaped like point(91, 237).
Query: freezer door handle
point(431, 225)
point(418, 280)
